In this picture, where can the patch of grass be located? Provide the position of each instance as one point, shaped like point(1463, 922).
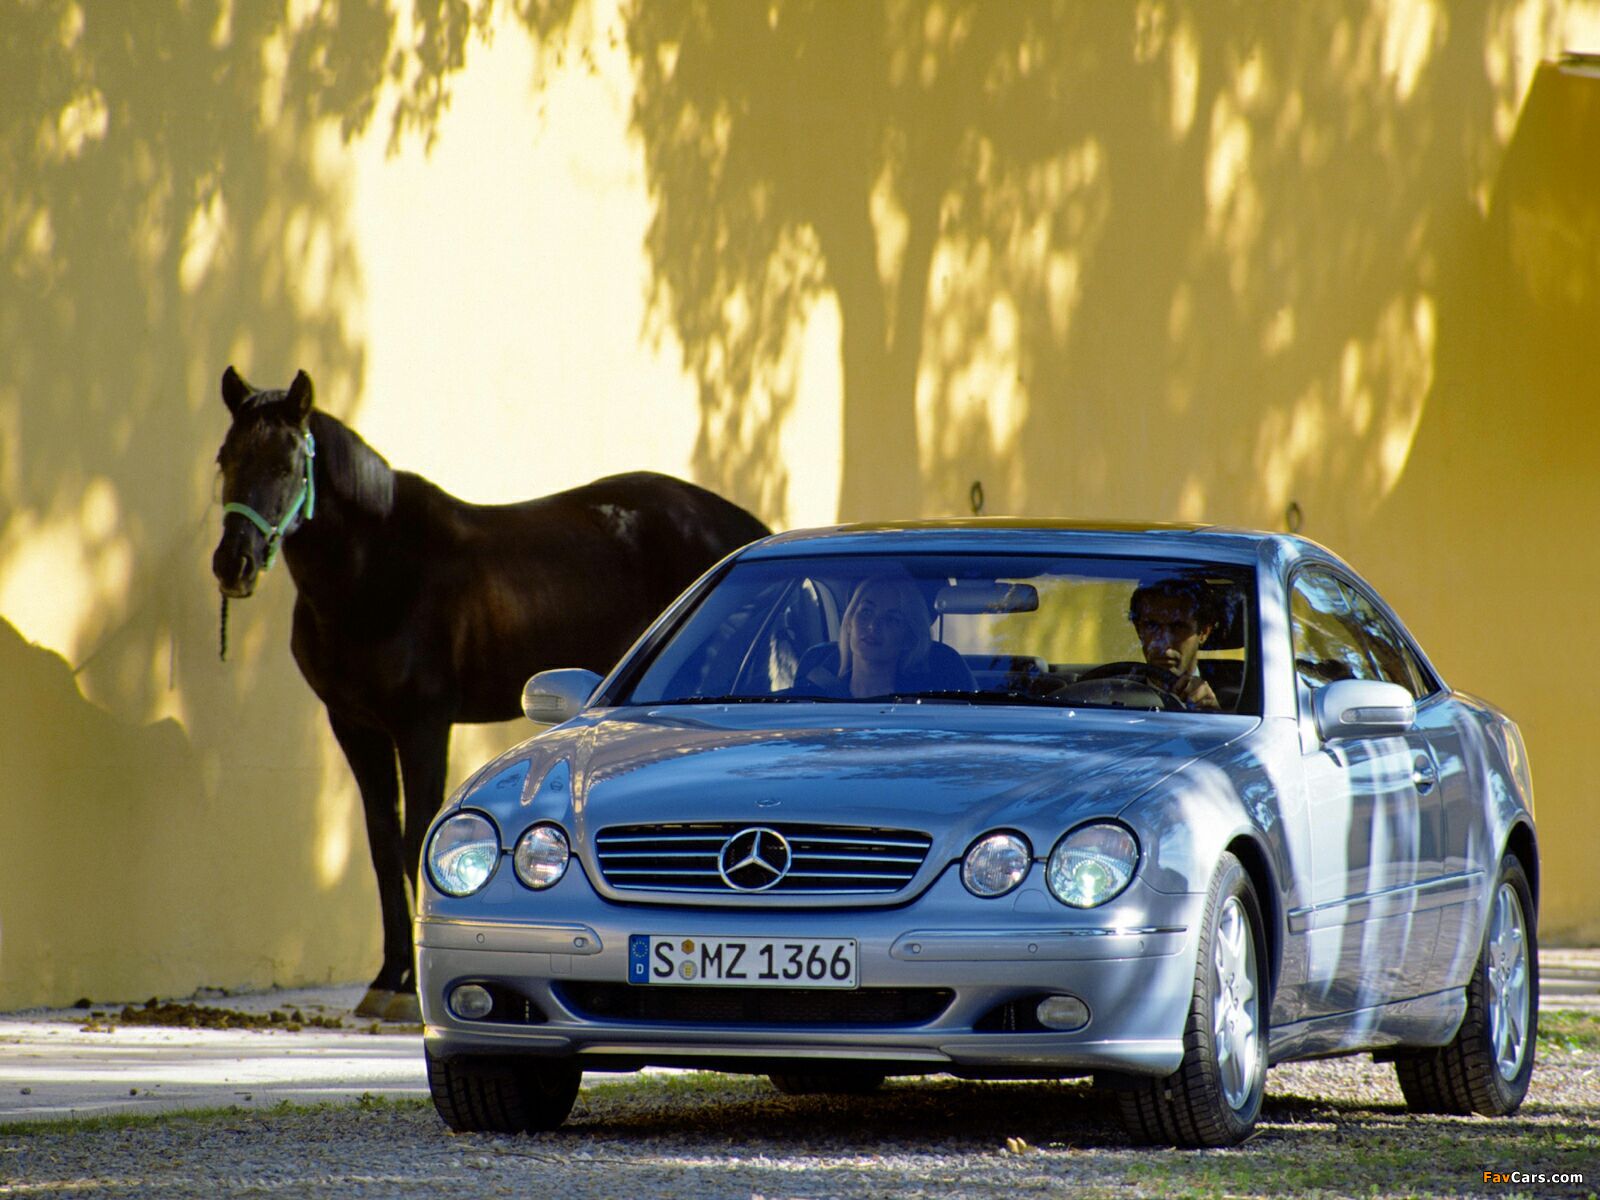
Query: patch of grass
point(1569, 1031)
point(366, 1102)
point(1390, 1158)
point(117, 1121)
point(688, 1084)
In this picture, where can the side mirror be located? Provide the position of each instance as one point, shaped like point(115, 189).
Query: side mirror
point(551, 697)
point(1362, 708)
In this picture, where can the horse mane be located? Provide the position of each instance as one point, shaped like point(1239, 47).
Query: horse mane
point(353, 470)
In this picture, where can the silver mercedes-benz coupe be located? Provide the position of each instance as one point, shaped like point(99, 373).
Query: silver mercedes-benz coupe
point(1158, 805)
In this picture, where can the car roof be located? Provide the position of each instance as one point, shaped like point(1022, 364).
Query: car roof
point(1027, 535)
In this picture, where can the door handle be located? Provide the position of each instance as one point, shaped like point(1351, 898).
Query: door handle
point(1424, 774)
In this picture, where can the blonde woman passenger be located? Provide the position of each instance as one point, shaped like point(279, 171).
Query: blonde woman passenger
point(885, 647)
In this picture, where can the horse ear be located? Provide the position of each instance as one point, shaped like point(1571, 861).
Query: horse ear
point(300, 396)
point(235, 391)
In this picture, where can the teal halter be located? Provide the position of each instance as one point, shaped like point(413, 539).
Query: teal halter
point(305, 498)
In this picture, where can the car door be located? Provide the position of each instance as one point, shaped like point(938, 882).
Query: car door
point(1374, 815)
point(1444, 734)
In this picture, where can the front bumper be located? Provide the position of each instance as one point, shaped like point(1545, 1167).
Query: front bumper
point(960, 979)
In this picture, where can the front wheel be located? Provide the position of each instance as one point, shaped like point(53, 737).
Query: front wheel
point(1486, 1068)
point(1214, 1096)
point(502, 1095)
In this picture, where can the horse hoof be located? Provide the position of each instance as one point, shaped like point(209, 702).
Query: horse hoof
point(375, 1003)
point(403, 1006)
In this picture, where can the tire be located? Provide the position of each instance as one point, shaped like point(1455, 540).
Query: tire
point(1214, 1096)
point(1488, 1064)
point(501, 1095)
point(836, 1083)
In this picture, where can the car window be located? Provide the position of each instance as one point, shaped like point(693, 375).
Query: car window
point(1427, 681)
point(1023, 628)
point(1387, 647)
point(1328, 643)
point(797, 623)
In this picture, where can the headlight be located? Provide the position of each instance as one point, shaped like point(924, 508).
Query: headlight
point(996, 863)
point(541, 857)
point(462, 854)
point(1091, 865)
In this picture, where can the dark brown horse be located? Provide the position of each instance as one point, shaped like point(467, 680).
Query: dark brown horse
point(415, 610)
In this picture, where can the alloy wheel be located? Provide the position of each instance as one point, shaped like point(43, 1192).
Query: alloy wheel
point(1234, 1004)
point(1508, 982)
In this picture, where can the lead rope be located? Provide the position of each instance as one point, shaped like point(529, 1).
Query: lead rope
point(222, 640)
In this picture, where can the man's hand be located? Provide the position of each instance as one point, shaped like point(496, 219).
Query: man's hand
point(1196, 693)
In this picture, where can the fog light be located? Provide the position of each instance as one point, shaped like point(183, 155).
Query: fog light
point(1065, 1013)
point(472, 1003)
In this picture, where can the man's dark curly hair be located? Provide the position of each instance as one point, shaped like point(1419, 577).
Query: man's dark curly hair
point(1210, 610)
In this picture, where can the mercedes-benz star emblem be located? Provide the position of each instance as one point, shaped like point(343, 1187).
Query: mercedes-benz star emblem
point(754, 859)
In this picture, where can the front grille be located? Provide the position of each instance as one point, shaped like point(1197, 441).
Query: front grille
point(755, 1006)
point(824, 859)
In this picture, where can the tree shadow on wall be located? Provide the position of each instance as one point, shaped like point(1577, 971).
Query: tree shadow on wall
point(169, 208)
point(165, 213)
point(1089, 252)
point(1105, 257)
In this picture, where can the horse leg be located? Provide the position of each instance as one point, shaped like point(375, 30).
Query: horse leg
point(424, 755)
point(370, 753)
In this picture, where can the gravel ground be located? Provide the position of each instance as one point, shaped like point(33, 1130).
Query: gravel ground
point(1334, 1128)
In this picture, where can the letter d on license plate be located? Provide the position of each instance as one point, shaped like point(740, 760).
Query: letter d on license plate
point(742, 962)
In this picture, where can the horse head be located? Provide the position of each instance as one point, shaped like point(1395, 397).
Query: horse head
point(268, 481)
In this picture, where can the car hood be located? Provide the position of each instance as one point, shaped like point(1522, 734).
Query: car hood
point(950, 771)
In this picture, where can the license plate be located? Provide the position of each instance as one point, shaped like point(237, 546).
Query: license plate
point(743, 962)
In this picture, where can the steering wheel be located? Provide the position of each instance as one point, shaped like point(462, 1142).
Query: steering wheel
point(1140, 675)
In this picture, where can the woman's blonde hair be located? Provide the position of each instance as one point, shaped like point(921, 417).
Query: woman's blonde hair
point(908, 598)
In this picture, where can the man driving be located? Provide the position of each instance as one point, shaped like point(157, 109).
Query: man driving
point(1173, 618)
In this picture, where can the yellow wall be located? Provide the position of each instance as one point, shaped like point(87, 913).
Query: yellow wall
point(837, 259)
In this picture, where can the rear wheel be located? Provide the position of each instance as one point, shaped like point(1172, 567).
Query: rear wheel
point(831, 1083)
point(1487, 1066)
point(1215, 1095)
point(502, 1095)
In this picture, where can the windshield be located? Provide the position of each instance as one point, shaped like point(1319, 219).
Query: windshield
point(964, 628)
